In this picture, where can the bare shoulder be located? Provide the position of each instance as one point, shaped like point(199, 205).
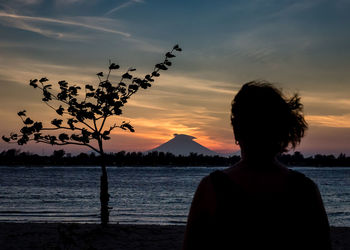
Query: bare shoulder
point(205, 196)
point(259, 178)
point(205, 187)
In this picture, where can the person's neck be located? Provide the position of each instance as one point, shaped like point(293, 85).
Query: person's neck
point(259, 162)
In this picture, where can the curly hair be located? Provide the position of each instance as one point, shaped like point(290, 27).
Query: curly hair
point(263, 119)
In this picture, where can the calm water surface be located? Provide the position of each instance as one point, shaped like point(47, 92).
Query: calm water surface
point(143, 195)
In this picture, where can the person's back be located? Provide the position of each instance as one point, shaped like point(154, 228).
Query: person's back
point(259, 203)
point(284, 214)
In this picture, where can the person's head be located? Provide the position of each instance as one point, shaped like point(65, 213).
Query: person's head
point(265, 122)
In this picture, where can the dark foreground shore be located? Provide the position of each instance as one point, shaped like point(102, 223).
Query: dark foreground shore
point(121, 237)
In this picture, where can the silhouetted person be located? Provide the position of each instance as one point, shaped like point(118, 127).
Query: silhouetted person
point(259, 203)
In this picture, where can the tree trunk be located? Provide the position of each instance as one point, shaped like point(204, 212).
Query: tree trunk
point(104, 195)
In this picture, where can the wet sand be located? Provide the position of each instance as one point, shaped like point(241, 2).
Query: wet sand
point(122, 237)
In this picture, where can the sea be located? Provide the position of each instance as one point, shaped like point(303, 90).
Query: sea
point(139, 195)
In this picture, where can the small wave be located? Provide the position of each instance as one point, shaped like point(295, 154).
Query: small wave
point(176, 222)
point(29, 212)
point(151, 215)
point(47, 213)
point(339, 213)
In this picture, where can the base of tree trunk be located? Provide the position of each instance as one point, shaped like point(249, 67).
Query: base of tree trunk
point(104, 198)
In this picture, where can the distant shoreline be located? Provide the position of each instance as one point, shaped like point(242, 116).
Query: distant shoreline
point(113, 166)
point(13, 157)
point(153, 166)
point(123, 237)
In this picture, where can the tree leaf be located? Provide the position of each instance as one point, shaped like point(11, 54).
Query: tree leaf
point(28, 121)
point(6, 139)
point(75, 137)
point(47, 95)
point(155, 74)
point(105, 137)
point(89, 87)
point(127, 75)
point(73, 90)
point(118, 104)
point(63, 137)
point(161, 66)
point(133, 87)
point(53, 140)
point(27, 130)
point(37, 136)
point(177, 48)
point(128, 126)
point(48, 86)
point(63, 95)
point(60, 110)
point(113, 66)
point(148, 77)
point(71, 122)
point(57, 122)
point(23, 140)
point(37, 126)
point(33, 83)
point(63, 84)
point(91, 94)
point(95, 135)
point(13, 136)
point(117, 111)
point(169, 55)
point(21, 113)
point(44, 79)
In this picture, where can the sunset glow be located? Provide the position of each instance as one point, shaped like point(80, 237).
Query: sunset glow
point(301, 46)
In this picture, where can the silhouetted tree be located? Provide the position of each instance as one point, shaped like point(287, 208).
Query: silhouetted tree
point(87, 115)
point(14, 157)
point(58, 154)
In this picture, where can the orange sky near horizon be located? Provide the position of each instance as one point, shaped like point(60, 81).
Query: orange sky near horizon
point(301, 46)
point(168, 108)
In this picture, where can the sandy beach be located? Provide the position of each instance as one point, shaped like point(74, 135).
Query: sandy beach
point(122, 237)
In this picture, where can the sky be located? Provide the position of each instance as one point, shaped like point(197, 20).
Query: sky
point(301, 46)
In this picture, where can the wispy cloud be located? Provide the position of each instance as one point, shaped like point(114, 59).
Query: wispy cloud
point(60, 21)
point(334, 121)
point(148, 46)
point(122, 6)
point(67, 1)
point(322, 99)
point(296, 7)
point(21, 24)
point(25, 2)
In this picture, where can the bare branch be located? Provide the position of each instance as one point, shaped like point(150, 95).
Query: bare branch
point(88, 126)
point(103, 123)
point(58, 128)
point(68, 143)
point(50, 106)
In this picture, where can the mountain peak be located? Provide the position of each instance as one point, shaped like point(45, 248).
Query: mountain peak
point(184, 137)
point(183, 144)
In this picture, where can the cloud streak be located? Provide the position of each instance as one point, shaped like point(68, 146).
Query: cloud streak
point(122, 6)
point(20, 24)
point(333, 121)
point(63, 22)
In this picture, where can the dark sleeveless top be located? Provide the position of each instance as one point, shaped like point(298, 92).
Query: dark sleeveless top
point(291, 219)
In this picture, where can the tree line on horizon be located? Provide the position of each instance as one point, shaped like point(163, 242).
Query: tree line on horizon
point(14, 157)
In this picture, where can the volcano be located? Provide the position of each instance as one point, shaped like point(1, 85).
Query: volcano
point(183, 145)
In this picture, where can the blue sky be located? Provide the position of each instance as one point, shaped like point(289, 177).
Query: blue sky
point(302, 46)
